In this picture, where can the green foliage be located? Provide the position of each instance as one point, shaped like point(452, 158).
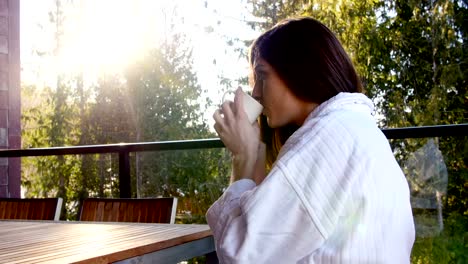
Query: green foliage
point(450, 246)
point(165, 95)
point(47, 176)
point(157, 98)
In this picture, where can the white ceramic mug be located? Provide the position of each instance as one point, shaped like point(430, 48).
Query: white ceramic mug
point(251, 106)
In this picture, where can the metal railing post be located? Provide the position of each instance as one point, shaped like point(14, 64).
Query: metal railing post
point(124, 174)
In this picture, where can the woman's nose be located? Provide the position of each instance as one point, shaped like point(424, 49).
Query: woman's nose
point(256, 92)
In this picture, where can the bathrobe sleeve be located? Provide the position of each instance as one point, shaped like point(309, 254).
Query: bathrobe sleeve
point(262, 224)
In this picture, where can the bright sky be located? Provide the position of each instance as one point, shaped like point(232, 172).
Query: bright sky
point(102, 35)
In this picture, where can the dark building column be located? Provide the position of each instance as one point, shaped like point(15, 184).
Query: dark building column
point(10, 112)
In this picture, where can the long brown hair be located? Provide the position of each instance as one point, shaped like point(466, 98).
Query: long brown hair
point(313, 64)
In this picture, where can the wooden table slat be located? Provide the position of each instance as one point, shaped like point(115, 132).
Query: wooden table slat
point(120, 242)
point(88, 242)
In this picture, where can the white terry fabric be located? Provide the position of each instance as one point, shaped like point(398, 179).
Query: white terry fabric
point(335, 195)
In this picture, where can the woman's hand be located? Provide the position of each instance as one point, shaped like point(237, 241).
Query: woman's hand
point(239, 136)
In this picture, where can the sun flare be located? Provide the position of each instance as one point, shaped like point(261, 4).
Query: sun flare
point(104, 35)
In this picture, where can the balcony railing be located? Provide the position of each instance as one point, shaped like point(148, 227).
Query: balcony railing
point(124, 149)
point(439, 233)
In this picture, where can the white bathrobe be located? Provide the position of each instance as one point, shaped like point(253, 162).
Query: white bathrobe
point(335, 195)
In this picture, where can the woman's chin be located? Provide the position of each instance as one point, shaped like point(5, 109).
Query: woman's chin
point(271, 123)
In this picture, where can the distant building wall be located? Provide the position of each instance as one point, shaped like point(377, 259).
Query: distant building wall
point(10, 128)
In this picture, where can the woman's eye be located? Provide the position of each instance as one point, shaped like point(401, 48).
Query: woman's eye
point(258, 82)
point(260, 78)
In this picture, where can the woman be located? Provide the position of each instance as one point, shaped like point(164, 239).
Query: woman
point(334, 192)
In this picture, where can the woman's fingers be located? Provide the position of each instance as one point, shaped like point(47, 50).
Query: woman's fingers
point(219, 121)
point(231, 123)
point(218, 128)
point(218, 116)
point(223, 117)
point(227, 109)
point(239, 103)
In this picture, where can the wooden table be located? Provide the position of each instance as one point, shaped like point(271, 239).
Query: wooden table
point(92, 242)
